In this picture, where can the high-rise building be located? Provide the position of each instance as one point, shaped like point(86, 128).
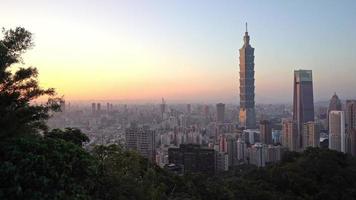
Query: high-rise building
point(351, 127)
point(247, 115)
point(290, 135)
point(303, 101)
point(266, 132)
point(221, 161)
point(232, 150)
point(352, 135)
point(222, 143)
point(351, 114)
point(193, 158)
point(335, 104)
point(98, 107)
point(311, 134)
point(220, 112)
point(163, 108)
point(337, 131)
point(273, 153)
point(142, 140)
point(241, 150)
point(93, 108)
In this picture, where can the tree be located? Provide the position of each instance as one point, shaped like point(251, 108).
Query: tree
point(34, 167)
point(68, 134)
point(127, 175)
point(18, 87)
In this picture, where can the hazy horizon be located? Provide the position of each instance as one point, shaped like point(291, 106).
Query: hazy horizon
point(186, 51)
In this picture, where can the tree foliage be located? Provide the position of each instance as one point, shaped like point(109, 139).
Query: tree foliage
point(45, 168)
point(68, 134)
point(127, 175)
point(19, 86)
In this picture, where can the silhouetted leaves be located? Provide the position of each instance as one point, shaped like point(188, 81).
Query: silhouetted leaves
point(68, 134)
point(18, 88)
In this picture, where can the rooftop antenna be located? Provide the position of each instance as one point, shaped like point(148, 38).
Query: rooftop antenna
point(246, 27)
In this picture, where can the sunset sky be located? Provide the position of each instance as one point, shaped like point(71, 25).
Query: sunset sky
point(186, 51)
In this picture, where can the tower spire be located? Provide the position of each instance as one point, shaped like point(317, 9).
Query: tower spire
point(246, 37)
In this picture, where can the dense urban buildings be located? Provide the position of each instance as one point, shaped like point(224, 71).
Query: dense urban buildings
point(247, 115)
point(303, 102)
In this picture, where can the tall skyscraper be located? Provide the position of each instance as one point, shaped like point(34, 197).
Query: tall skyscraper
point(220, 112)
point(337, 131)
point(266, 132)
point(247, 116)
point(303, 101)
point(163, 108)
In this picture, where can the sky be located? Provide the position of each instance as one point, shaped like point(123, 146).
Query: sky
point(186, 50)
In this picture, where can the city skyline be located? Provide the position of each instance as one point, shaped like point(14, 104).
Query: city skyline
point(148, 50)
point(198, 99)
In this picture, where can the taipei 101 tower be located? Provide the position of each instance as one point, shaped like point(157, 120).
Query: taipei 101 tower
point(247, 116)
